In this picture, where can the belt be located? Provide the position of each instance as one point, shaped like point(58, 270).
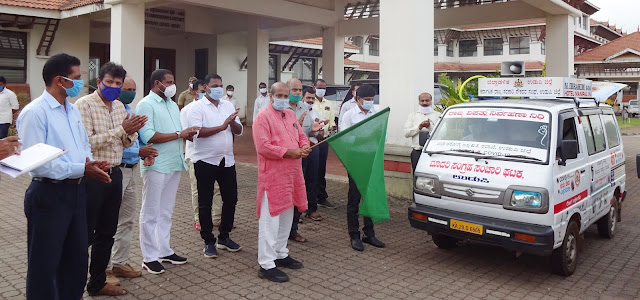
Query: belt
point(113, 170)
point(128, 166)
point(55, 181)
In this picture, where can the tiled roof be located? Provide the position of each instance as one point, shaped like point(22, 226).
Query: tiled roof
point(362, 65)
point(630, 41)
point(449, 67)
point(318, 41)
point(50, 4)
point(608, 25)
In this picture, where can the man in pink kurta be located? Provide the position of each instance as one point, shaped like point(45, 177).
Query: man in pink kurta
point(280, 144)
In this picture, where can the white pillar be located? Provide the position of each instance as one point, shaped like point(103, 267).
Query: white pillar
point(480, 49)
point(559, 45)
point(332, 56)
point(442, 52)
point(127, 42)
point(505, 47)
point(405, 70)
point(257, 62)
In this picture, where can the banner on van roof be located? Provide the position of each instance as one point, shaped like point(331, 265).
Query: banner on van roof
point(534, 87)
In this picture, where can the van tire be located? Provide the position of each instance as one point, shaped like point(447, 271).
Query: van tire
point(444, 241)
point(607, 224)
point(564, 259)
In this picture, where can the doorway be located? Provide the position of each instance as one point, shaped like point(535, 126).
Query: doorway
point(157, 58)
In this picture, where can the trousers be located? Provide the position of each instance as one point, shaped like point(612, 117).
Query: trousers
point(126, 217)
point(207, 174)
point(158, 200)
point(216, 213)
point(353, 204)
point(310, 170)
point(273, 233)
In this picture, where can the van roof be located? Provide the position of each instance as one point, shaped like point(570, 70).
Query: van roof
point(551, 105)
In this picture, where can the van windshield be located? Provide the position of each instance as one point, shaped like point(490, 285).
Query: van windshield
point(505, 132)
point(633, 102)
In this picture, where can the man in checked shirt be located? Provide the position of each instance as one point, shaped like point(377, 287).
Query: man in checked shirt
point(110, 129)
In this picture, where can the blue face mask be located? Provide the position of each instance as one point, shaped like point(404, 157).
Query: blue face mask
point(216, 93)
point(75, 89)
point(110, 93)
point(200, 95)
point(280, 104)
point(367, 105)
point(1, 88)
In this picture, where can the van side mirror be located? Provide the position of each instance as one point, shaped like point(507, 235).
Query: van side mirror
point(638, 164)
point(423, 137)
point(568, 150)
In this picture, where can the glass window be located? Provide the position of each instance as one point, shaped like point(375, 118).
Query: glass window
point(435, 47)
point(13, 56)
point(305, 70)
point(588, 135)
point(613, 138)
point(374, 47)
point(493, 47)
point(273, 69)
point(358, 41)
point(598, 133)
point(450, 49)
point(519, 45)
point(468, 48)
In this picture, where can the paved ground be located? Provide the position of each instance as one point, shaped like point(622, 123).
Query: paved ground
point(411, 267)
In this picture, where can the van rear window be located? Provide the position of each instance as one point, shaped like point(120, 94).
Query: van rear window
point(610, 128)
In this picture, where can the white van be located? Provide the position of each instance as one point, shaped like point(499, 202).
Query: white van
point(526, 175)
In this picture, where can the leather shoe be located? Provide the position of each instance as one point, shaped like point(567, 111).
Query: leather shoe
point(273, 274)
point(373, 241)
point(288, 262)
point(356, 244)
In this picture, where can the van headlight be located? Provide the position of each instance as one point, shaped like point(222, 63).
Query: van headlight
point(426, 185)
point(528, 199)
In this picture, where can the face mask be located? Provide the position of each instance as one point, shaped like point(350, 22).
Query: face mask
point(191, 86)
point(1, 88)
point(320, 92)
point(216, 93)
point(75, 89)
point(294, 99)
point(200, 95)
point(169, 91)
point(367, 105)
point(310, 105)
point(263, 90)
point(230, 93)
point(127, 96)
point(425, 109)
point(110, 93)
point(280, 104)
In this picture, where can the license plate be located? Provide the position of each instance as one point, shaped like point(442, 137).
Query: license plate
point(466, 227)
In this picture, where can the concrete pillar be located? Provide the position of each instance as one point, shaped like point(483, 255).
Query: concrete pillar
point(505, 47)
point(404, 77)
point(442, 52)
point(257, 62)
point(127, 42)
point(559, 45)
point(332, 56)
point(480, 49)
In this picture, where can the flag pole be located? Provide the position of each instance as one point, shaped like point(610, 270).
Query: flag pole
point(318, 143)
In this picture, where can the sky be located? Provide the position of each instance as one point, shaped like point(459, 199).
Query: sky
point(622, 13)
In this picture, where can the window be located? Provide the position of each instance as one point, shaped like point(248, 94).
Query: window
point(305, 70)
point(273, 69)
point(358, 41)
point(493, 47)
point(588, 135)
point(450, 49)
point(435, 47)
point(543, 48)
point(569, 132)
point(13, 56)
point(613, 138)
point(585, 22)
point(468, 48)
point(519, 45)
point(594, 133)
point(374, 46)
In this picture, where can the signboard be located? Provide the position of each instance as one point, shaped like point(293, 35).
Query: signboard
point(534, 87)
point(166, 18)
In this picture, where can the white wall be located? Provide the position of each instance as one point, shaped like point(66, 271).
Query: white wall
point(232, 50)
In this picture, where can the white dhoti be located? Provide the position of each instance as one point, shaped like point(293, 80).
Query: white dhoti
point(273, 234)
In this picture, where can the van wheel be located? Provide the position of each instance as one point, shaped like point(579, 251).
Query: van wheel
point(607, 224)
point(444, 241)
point(565, 259)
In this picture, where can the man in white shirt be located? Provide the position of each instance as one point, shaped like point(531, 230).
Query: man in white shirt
point(349, 104)
point(422, 120)
point(214, 162)
point(262, 101)
point(363, 109)
point(8, 106)
point(229, 97)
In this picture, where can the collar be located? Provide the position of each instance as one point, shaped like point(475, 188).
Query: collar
point(156, 97)
point(321, 100)
point(53, 103)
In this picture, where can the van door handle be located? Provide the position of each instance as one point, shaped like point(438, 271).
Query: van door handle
point(582, 172)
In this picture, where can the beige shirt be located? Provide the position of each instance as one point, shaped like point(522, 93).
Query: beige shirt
point(411, 126)
point(325, 108)
point(185, 98)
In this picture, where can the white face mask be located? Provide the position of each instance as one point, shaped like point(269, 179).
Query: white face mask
point(425, 109)
point(320, 92)
point(169, 91)
point(263, 90)
point(230, 93)
point(191, 86)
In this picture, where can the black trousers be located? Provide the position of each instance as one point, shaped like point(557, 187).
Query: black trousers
point(310, 170)
point(4, 130)
point(415, 156)
point(353, 204)
point(322, 171)
point(103, 207)
point(206, 176)
point(56, 240)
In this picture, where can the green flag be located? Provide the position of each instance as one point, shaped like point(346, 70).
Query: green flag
point(360, 148)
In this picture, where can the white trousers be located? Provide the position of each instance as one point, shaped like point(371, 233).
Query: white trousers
point(158, 200)
point(273, 233)
point(128, 208)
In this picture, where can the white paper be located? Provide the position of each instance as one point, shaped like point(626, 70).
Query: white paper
point(30, 158)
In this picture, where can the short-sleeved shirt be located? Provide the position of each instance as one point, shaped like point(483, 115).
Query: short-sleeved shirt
point(184, 121)
point(8, 102)
point(213, 149)
point(164, 117)
point(185, 98)
point(325, 108)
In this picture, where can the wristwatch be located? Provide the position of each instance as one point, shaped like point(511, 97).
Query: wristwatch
point(178, 133)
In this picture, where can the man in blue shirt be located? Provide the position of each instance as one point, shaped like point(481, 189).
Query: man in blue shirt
point(130, 195)
point(55, 202)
